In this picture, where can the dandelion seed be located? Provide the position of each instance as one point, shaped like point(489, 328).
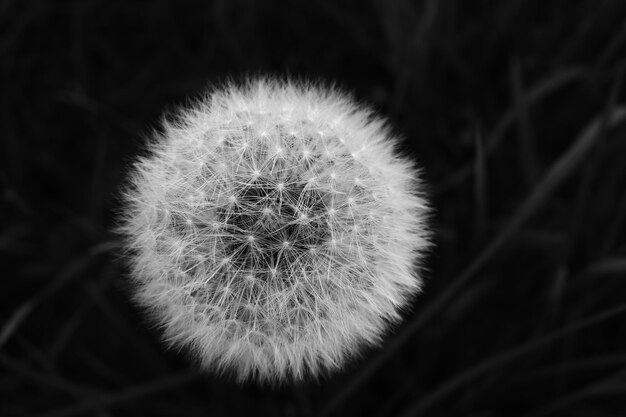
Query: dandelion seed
point(296, 261)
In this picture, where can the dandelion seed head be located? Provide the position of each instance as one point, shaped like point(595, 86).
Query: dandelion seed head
point(308, 230)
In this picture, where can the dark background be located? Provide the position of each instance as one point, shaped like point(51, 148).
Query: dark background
point(513, 108)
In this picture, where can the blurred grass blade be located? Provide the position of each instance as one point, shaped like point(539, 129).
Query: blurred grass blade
point(18, 316)
point(526, 138)
point(45, 380)
point(503, 358)
point(611, 386)
point(540, 91)
point(116, 398)
point(70, 272)
point(480, 187)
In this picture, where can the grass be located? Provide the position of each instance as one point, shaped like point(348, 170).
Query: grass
point(515, 109)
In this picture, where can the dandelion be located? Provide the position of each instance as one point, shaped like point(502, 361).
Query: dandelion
point(273, 231)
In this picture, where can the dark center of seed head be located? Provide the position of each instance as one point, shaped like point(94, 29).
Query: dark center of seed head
point(273, 226)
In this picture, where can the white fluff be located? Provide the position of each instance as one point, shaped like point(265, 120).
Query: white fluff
point(273, 230)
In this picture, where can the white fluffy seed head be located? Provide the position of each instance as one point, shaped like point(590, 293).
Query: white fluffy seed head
point(273, 231)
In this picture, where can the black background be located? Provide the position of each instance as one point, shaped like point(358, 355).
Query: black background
point(524, 308)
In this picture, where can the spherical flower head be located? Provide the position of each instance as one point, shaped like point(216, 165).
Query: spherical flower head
point(273, 230)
